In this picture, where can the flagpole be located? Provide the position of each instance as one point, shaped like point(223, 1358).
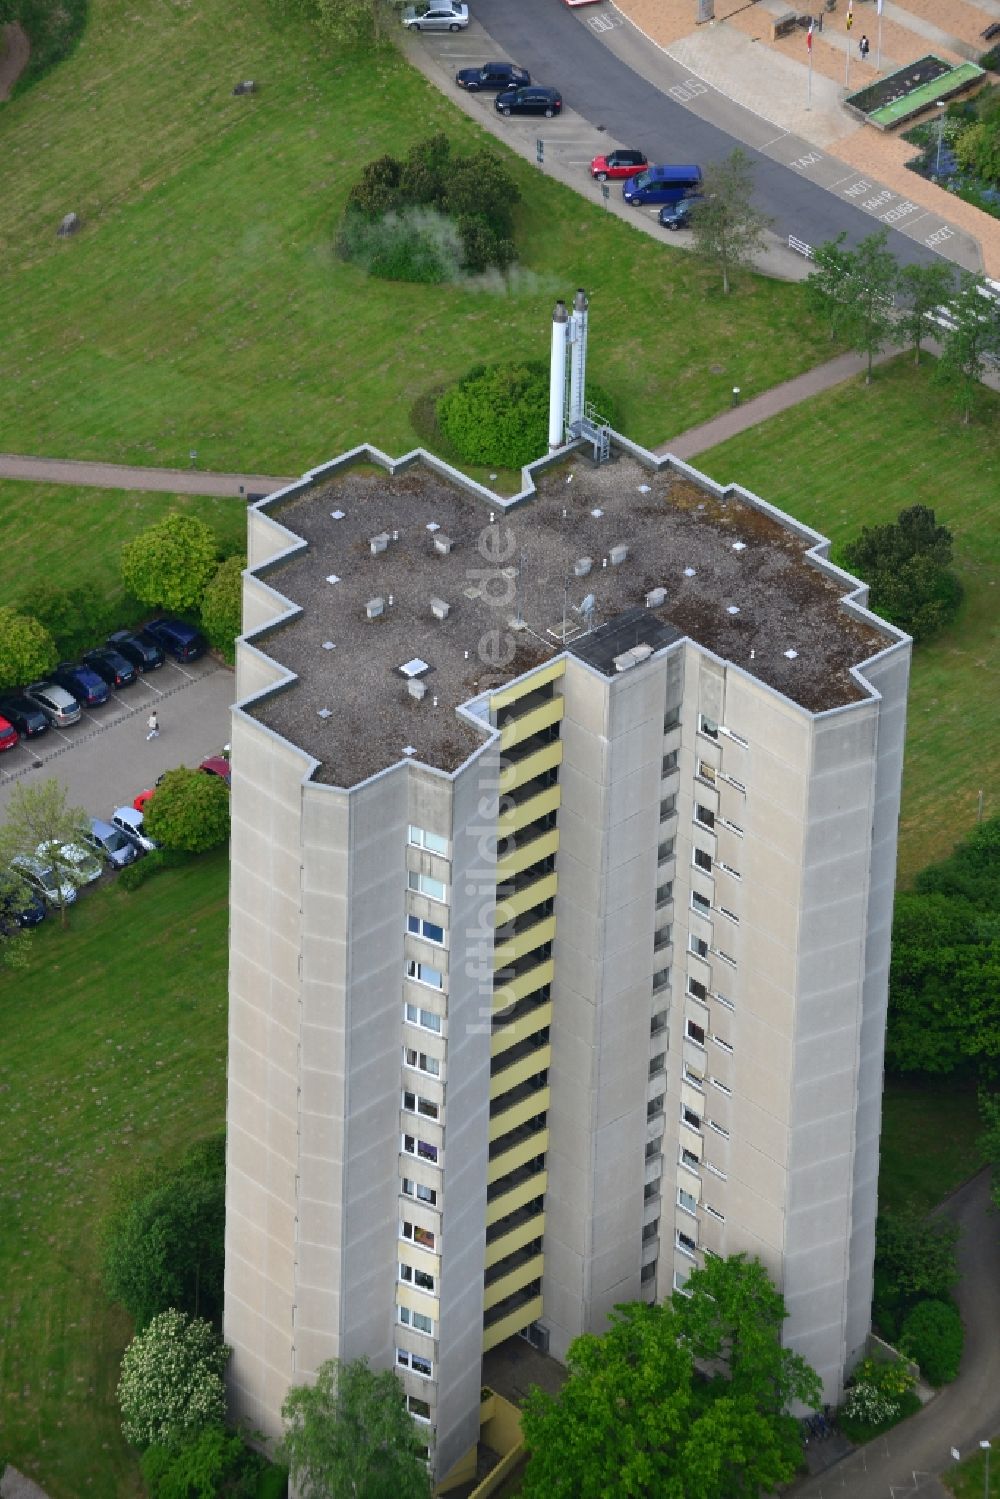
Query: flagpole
point(847, 53)
point(878, 43)
point(809, 87)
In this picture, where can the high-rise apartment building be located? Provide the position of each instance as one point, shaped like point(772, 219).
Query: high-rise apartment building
point(562, 856)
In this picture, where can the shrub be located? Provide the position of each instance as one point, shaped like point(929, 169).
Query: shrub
point(222, 606)
point(499, 414)
point(933, 1335)
point(190, 811)
point(169, 565)
point(27, 650)
point(53, 30)
point(906, 564)
point(195, 1467)
point(171, 1381)
point(76, 618)
point(134, 875)
point(880, 1394)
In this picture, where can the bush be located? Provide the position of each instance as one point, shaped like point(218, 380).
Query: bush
point(134, 875)
point(54, 28)
point(222, 606)
point(499, 414)
point(190, 811)
point(171, 1381)
point(169, 565)
point(27, 650)
point(880, 1395)
point(933, 1335)
point(195, 1467)
point(76, 618)
point(906, 565)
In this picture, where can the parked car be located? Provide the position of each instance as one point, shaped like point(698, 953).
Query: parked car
point(112, 667)
point(662, 184)
point(177, 638)
point(440, 16)
point(42, 880)
point(618, 164)
point(218, 765)
point(20, 906)
point(55, 702)
point(66, 856)
point(139, 802)
point(678, 215)
point(110, 843)
point(532, 100)
point(81, 682)
point(8, 734)
point(130, 822)
point(142, 653)
point(492, 75)
point(27, 718)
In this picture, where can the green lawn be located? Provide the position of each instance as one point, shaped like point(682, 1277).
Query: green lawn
point(860, 455)
point(928, 1144)
point(113, 1054)
point(202, 306)
point(54, 532)
point(967, 1479)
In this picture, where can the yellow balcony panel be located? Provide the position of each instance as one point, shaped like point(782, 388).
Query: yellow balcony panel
point(531, 683)
point(531, 766)
point(519, 1113)
point(505, 995)
point(507, 1327)
point(524, 942)
point(509, 1202)
point(508, 1284)
point(519, 1072)
point(509, 906)
point(517, 1155)
point(514, 1031)
point(516, 1238)
point(530, 810)
point(533, 722)
point(527, 854)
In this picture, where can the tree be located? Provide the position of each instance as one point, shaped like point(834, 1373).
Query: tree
point(853, 290)
point(968, 345)
point(14, 940)
point(933, 1335)
point(906, 565)
point(827, 294)
point(193, 1467)
point(39, 814)
point(728, 230)
point(479, 186)
point(922, 288)
point(169, 565)
point(424, 171)
point(164, 1243)
point(190, 811)
point(27, 650)
point(222, 606)
point(635, 1418)
point(74, 617)
point(350, 1433)
point(171, 1380)
point(497, 414)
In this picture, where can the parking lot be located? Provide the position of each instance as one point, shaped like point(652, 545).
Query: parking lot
point(105, 759)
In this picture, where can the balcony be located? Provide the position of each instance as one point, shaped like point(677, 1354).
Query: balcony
point(523, 939)
point(519, 1107)
point(526, 853)
point(520, 1147)
point(527, 809)
point(511, 1276)
point(536, 711)
point(524, 1021)
point(532, 758)
point(524, 980)
point(523, 895)
point(522, 1228)
point(521, 1065)
point(512, 1316)
point(528, 687)
point(511, 1192)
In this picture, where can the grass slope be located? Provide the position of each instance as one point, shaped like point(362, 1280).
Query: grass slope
point(928, 1145)
point(202, 306)
point(858, 456)
point(113, 1055)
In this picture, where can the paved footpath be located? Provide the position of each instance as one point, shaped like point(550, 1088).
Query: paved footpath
point(122, 476)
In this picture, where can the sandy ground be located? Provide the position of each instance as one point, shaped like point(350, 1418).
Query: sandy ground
point(14, 52)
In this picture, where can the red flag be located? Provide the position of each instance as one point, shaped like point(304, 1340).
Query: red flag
point(809, 37)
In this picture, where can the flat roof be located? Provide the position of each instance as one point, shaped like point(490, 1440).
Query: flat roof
point(407, 584)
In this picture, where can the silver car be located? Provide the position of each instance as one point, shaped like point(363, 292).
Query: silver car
point(437, 17)
point(72, 861)
point(55, 702)
point(130, 822)
point(110, 843)
point(41, 878)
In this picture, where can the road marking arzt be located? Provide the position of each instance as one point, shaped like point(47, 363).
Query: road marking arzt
point(604, 23)
point(687, 90)
point(939, 236)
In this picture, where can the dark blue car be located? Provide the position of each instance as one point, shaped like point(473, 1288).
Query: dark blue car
point(177, 638)
point(80, 682)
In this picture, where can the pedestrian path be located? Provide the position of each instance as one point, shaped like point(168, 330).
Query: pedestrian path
point(124, 476)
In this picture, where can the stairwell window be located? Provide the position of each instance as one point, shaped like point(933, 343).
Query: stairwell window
point(419, 1192)
point(423, 884)
point(429, 930)
point(419, 1279)
point(425, 1019)
point(413, 1103)
point(417, 1320)
point(423, 973)
point(719, 1129)
point(708, 726)
point(702, 860)
point(686, 1244)
point(722, 1087)
point(704, 815)
point(417, 1235)
point(432, 842)
point(422, 1149)
point(412, 1361)
point(418, 1409)
point(421, 1062)
point(723, 1045)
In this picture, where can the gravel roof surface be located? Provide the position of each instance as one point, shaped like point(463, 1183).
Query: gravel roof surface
point(736, 581)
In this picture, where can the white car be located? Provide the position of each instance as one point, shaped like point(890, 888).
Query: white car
point(437, 17)
point(130, 822)
point(41, 878)
point(72, 860)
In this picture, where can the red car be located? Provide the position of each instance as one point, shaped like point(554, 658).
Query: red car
point(217, 765)
point(144, 796)
point(618, 164)
point(8, 735)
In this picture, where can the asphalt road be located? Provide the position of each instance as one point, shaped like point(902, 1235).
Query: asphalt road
point(556, 46)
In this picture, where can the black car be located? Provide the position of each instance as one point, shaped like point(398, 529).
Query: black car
point(112, 667)
point(26, 718)
point(80, 682)
point(143, 653)
point(678, 215)
point(492, 75)
point(19, 906)
point(177, 638)
point(532, 100)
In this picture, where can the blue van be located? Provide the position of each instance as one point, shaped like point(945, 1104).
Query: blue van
point(662, 185)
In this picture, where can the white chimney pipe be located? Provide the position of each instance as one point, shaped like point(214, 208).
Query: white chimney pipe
point(578, 358)
point(557, 376)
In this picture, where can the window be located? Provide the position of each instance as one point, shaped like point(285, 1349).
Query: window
point(722, 1087)
point(665, 850)
point(732, 781)
point(704, 815)
point(715, 1212)
point(700, 902)
point(694, 1078)
point(658, 1064)
point(425, 1019)
point(694, 1032)
point(664, 893)
point(698, 945)
point(423, 973)
point(671, 719)
point(654, 1107)
point(716, 1172)
point(432, 842)
point(414, 1362)
point(424, 885)
point(726, 1004)
point(729, 915)
point(726, 957)
point(708, 726)
point(417, 1235)
point(689, 1159)
point(648, 1272)
point(410, 1276)
point(661, 978)
point(686, 1244)
point(706, 772)
point(418, 1191)
point(414, 1104)
point(667, 806)
point(652, 1149)
point(724, 1045)
point(650, 1190)
point(730, 870)
point(426, 929)
point(420, 1148)
point(658, 1023)
point(680, 1281)
point(416, 1320)
point(421, 1062)
point(733, 827)
point(418, 1409)
point(669, 763)
point(719, 1130)
point(736, 738)
point(703, 860)
point(690, 1118)
point(686, 1201)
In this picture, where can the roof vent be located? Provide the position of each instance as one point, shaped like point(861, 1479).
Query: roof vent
point(416, 689)
point(414, 668)
point(791, 654)
point(378, 543)
point(332, 578)
point(642, 651)
point(374, 608)
point(582, 566)
point(732, 608)
point(617, 555)
point(624, 661)
point(329, 645)
point(689, 572)
point(433, 526)
point(440, 609)
point(597, 513)
point(443, 544)
point(655, 598)
point(336, 514)
point(739, 546)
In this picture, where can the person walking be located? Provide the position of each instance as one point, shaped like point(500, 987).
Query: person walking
point(863, 47)
point(153, 724)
